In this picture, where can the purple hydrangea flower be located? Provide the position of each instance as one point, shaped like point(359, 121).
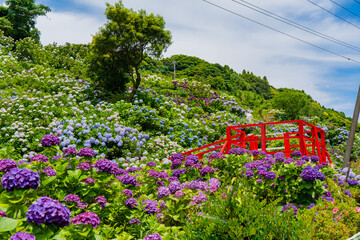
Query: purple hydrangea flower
point(161, 183)
point(70, 151)
point(72, 198)
point(103, 165)
point(305, 158)
point(20, 178)
point(86, 152)
point(329, 199)
point(86, 218)
point(131, 203)
point(300, 163)
point(309, 173)
point(320, 176)
point(270, 175)
point(178, 172)
point(163, 192)
point(154, 236)
point(127, 179)
point(49, 140)
point(89, 181)
point(288, 160)
point(171, 179)
point(193, 158)
point(47, 210)
point(189, 162)
point(101, 200)
point(199, 198)
point(22, 236)
point(174, 186)
point(206, 170)
point(352, 182)
point(84, 166)
point(289, 207)
point(296, 153)
point(151, 164)
point(39, 158)
point(217, 155)
point(259, 180)
point(175, 163)
point(249, 173)
point(49, 171)
point(127, 192)
point(214, 184)
point(150, 206)
point(177, 156)
point(314, 158)
point(82, 205)
point(269, 160)
point(134, 221)
point(237, 151)
point(7, 164)
point(179, 194)
point(279, 154)
point(3, 214)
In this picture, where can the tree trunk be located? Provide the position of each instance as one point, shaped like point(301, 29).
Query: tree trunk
point(135, 84)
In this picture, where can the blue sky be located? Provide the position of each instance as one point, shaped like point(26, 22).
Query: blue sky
point(204, 31)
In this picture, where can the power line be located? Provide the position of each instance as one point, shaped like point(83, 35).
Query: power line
point(356, 1)
point(355, 14)
point(276, 30)
point(333, 13)
point(296, 25)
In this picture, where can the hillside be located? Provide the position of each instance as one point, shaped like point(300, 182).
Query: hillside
point(78, 163)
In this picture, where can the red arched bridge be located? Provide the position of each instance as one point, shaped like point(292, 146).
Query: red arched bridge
point(306, 138)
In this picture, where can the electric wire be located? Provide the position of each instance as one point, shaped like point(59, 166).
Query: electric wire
point(276, 30)
point(296, 25)
point(355, 14)
point(356, 1)
point(332, 13)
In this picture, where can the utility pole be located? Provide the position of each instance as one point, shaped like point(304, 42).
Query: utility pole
point(174, 62)
point(350, 141)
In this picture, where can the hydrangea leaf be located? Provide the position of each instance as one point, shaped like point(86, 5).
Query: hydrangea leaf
point(7, 224)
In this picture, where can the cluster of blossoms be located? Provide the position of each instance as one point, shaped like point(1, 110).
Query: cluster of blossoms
point(50, 140)
point(238, 151)
point(103, 165)
point(150, 206)
point(86, 152)
point(176, 160)
point(127, 179)
point(47, 210)
point(163, 192)
point(22, 236)
point(20, 178)
point(86, 218)
point(40, 158)
point(70, 151)
point(7, 164)
point(101, 200)
point(154, 236)
point(312, 173)
point(49, 171)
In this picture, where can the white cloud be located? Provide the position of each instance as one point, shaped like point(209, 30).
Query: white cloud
point(62, 27)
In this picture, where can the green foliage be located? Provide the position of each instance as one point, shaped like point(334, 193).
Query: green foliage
point(19, 18)
point(293, 103)
point(236, 214)
point(123, 43)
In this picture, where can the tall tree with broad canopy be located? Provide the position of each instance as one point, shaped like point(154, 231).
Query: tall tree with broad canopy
point(17, 19)
point(122, 44)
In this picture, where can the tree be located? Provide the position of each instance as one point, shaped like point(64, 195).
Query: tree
point(294, 103)
point(17, 20)
point(123, 43)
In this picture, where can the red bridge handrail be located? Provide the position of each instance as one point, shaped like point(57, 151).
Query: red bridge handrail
point(309, 141)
